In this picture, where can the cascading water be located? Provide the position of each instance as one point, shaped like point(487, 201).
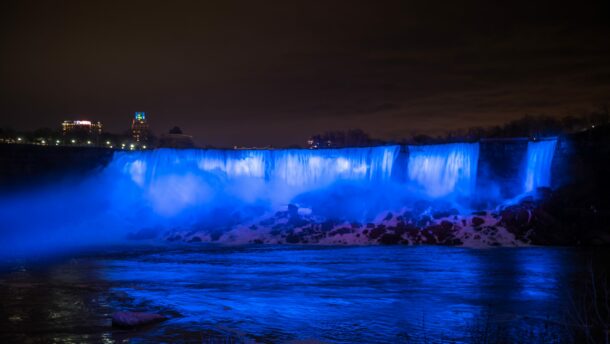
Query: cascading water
point(216, 190)
point(538, 164)
point(300, 168)
point(441, 170)
point(173, 180)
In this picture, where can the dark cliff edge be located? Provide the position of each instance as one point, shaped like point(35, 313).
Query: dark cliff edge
point(28, 165)
point(577, 210)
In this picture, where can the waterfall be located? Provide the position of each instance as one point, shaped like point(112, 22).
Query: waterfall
point(538, 164)
point(307, 167)
point(295, 167)
point(444, 169)
point(214, 190)
point(170, 178)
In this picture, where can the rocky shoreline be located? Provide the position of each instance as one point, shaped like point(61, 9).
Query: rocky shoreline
point(533, 220)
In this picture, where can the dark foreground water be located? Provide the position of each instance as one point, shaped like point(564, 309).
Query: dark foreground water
point(286, 293)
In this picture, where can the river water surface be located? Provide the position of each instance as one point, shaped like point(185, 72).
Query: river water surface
point(293, 293)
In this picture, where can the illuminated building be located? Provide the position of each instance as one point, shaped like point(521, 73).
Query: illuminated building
point(139, 127)
point(82, 130)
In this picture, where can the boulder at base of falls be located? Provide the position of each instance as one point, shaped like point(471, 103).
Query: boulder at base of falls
point(135, 319)
point(477, 221)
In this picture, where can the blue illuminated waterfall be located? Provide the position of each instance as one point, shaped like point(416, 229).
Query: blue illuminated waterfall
point(538, 164)
point(441, 170)
point(195, 189)
point(296, 167)
point(173, 180)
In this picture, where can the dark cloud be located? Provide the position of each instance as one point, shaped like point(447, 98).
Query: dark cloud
point(274, 72)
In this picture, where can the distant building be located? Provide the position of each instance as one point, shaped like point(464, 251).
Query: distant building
point(82, 130)
point(139, 127)
point(176, 139)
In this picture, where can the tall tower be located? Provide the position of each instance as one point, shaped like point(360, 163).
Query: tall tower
point(139, 127)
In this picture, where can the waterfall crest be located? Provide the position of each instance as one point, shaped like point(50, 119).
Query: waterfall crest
point(444, 169)
point(296, 167)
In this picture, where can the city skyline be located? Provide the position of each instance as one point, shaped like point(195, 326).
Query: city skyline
point(249, 74)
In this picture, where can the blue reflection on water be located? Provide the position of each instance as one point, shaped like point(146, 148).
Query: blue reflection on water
point(357, 294)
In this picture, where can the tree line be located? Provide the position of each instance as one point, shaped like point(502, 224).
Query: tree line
point(528, 126)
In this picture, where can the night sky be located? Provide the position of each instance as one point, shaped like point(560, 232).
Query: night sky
point(259, 73)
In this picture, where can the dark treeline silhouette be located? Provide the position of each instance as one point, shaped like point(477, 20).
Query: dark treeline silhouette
point(528, 126)
point(338, 138)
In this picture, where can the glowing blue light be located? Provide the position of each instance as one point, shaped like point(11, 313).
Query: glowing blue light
point(140, 116)
point(137, 170)
point(444, 169)
point(538, 164)
point(168, 189)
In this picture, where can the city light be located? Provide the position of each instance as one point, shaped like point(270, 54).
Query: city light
point(19, 139)
point(88, 142)
point(107, 142)
point(43, 142)
point(73, 141)
point(143, 147)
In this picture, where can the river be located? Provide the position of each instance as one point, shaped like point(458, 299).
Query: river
point(269, 294)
